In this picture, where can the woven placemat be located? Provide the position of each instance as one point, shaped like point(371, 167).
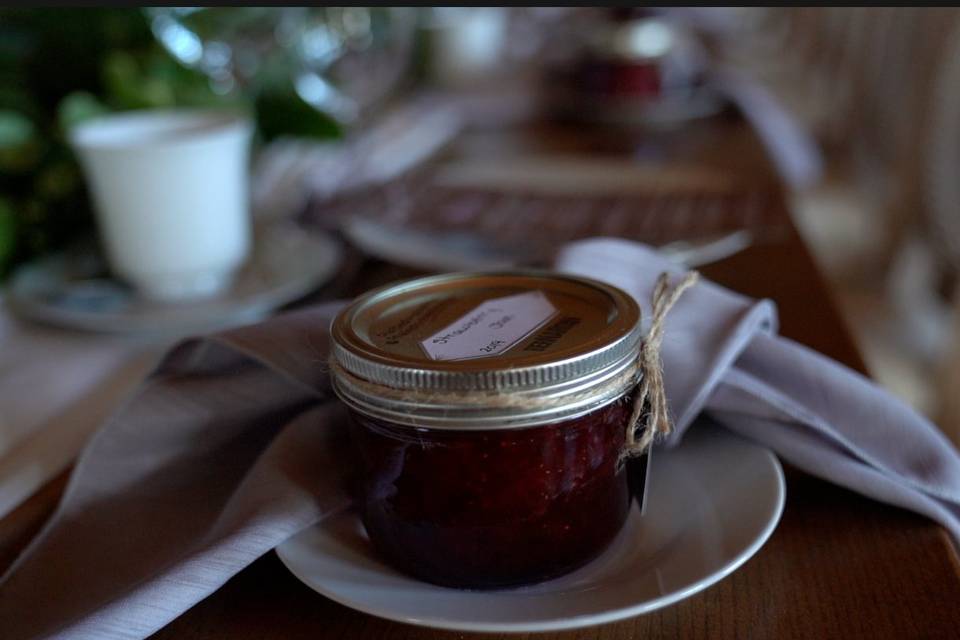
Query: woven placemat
point(650, 207)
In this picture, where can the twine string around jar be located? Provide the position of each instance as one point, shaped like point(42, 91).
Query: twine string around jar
point(646, 373)
point(650, 391)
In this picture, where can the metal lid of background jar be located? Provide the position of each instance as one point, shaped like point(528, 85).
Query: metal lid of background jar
point(587, 335)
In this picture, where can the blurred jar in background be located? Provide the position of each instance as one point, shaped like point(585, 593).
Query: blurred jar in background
point(631, 67)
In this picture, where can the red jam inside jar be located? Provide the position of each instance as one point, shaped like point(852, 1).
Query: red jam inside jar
point(458, 487)
point(492, 509)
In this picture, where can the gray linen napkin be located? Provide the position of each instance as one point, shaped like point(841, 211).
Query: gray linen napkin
point(235, 443)
point(721, 354)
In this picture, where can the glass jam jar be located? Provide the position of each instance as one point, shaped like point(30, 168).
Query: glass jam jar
point(488, 413)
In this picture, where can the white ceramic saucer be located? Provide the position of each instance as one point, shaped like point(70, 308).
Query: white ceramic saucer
point(713, 502)
point(73, 290)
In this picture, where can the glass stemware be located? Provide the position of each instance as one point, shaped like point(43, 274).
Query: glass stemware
point(230, 45)
point(343, 61)
point(347, 60)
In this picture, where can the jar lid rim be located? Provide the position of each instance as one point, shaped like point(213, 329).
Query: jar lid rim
point(606, 340)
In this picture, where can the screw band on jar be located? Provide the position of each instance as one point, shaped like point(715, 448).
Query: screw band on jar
point(501, 408)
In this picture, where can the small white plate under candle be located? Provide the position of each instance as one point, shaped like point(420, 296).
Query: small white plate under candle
point(72, 290)
point(714, 501)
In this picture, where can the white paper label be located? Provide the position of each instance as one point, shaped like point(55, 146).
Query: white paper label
point(491, 328)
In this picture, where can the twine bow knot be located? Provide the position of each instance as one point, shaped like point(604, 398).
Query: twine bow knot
point(650, 369)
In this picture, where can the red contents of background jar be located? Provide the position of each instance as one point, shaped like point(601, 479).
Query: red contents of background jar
point(488, 509)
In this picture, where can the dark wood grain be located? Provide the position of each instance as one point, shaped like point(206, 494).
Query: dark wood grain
point(838, 565)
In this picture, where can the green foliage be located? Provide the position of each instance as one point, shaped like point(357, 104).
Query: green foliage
point(282, 112)
point(20, 142)
point(77, 107)
point(8, 232)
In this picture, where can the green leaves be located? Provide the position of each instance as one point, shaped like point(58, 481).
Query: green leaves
point(20, 143)
point(281, 112)
point(126, 87)
point(153, 80)
point(8, 234)
point(77, 107)
point(15, 129)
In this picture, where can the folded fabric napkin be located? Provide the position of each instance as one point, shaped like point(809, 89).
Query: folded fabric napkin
point(236, 442)
point(82, 378)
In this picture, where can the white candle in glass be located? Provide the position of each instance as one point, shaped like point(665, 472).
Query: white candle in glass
point(170, 189)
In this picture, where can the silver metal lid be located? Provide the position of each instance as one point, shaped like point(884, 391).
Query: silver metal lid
point(533, 335)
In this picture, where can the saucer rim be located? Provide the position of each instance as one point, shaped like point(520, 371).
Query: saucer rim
point(577, 621)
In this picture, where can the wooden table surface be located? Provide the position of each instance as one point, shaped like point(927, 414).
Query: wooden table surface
point(838, 565)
